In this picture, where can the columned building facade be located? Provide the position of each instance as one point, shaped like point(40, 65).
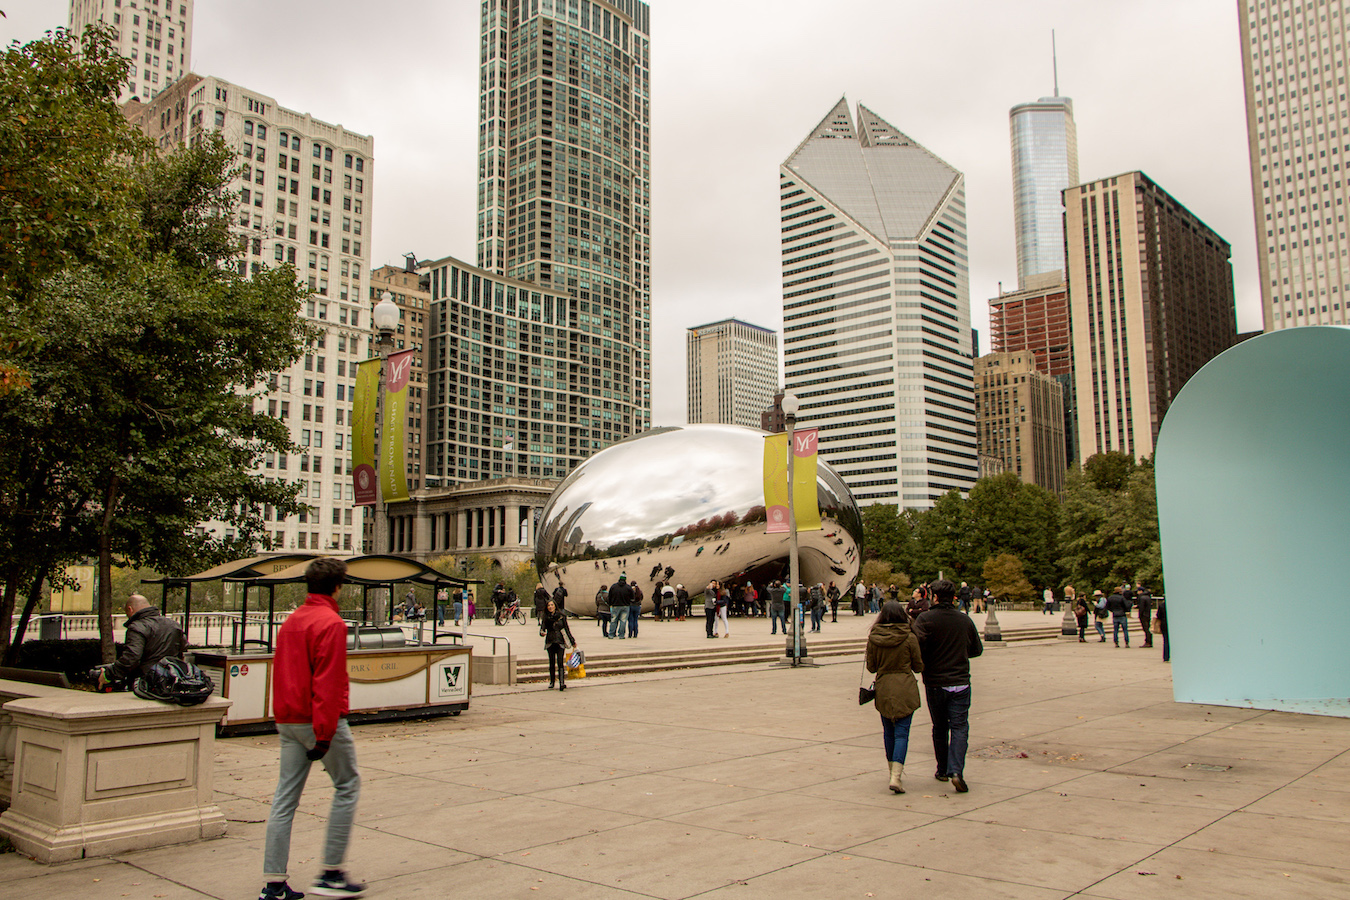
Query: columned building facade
point(1151, 296)
point(497, 519)
point(876, 309)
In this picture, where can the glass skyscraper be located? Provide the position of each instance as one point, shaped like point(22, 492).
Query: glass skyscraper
point(876, 309)
point(1044, 163)
point(564, 199)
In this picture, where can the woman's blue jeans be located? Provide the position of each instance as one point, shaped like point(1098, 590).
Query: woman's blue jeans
point(895, 737)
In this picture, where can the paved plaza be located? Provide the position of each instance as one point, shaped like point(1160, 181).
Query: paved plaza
point(1086, 780)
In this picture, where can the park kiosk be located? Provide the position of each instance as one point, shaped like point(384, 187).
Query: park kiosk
point(392, 676)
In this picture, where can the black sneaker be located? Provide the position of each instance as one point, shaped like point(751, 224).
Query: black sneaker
point(940, 777)
point(279, 890)
point(959, 784)
point(336, 884)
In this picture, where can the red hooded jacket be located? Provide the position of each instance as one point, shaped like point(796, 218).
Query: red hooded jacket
point(309, 668)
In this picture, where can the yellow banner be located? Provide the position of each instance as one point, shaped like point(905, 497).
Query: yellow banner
point(775, 483)
point(363, 432)
point(805, 500)
point(393, 437)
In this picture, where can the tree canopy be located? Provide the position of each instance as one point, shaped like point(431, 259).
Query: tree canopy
point(142, 348)
point(1104, 530)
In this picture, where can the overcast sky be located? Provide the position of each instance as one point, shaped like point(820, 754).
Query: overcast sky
point(1156, 85)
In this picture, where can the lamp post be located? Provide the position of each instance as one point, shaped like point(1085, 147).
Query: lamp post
point(385, 318)
point(797, 646)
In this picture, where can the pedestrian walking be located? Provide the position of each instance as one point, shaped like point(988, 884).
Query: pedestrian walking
point(1099, 615)
point(309, 704)
point(832, 594)
point(634, 610)
point(557, 635)
point(1080, 612)
point(681, 603)
point(723, 606)
point(817, 604)
point(948, 641)
point(963, 595)
point(1162, 627)
point(602, 612)
point(620, 597)
point(442, 597)
point(893, 654)
point(777, 607)
point(710, 597)
point(1119, 608)
point(1143, 602)
point(859, 597)
point(1049, 600)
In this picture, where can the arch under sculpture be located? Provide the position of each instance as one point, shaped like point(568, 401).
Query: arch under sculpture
point(1253, 476)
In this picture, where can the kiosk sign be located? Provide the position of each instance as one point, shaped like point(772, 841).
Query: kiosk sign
point(452, 679)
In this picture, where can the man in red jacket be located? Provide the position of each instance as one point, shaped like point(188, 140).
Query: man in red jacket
point(309, 703)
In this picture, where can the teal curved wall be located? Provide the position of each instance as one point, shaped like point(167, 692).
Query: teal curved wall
point(1253, 476)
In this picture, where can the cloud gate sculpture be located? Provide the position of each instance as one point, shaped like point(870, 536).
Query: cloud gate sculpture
point(684, 505)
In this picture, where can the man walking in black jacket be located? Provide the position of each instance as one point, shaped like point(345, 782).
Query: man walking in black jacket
point(948, 640)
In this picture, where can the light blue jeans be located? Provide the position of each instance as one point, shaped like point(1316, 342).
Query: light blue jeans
point(618, 621)
point(340, 761)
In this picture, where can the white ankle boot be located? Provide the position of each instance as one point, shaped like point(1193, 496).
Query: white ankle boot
point(897, 773)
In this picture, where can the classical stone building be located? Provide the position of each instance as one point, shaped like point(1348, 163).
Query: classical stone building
point(496, 519)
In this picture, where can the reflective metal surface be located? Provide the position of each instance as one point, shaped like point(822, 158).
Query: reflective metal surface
point(685, 505)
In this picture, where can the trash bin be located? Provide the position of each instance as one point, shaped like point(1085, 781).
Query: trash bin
point(49, 628)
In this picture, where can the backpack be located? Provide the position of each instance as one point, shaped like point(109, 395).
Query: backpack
point(172, 680)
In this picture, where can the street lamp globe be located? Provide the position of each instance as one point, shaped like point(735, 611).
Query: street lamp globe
point(790, 404)
point(386, 314)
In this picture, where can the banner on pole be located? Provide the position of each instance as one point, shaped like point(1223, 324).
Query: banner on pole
point(363, 432)
point(804, 500)
point(775, 483)
point(393, 439)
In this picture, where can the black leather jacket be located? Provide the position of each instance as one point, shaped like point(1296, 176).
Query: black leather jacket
point(150, 638)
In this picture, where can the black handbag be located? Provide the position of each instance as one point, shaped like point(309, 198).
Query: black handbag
point(868, 693)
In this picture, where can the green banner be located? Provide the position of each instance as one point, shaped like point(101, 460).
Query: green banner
point(363, 432)
point(393, 437)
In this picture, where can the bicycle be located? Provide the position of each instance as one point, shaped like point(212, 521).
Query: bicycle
point(511, 611)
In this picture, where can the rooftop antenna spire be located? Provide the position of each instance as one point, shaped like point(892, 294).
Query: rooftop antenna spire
point(1054, 60)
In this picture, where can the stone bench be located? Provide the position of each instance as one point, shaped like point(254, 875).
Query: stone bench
point(98, 774)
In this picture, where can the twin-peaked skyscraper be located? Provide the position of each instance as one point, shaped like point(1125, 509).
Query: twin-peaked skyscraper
point(876, 308)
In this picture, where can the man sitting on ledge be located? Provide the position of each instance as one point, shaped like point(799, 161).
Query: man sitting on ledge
point(151, 636)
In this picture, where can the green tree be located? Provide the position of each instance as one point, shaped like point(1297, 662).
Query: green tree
point(145, 405)
point(1006, 515)
point(1004, 577)
point(1109, 533)
point(65, 197)
point(1110, 470)
point(942, 541)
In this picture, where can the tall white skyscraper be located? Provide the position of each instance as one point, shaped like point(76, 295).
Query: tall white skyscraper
point(1044, 163)
point(304, 191)
point(876, 309)
point(156, 37)
point(1298, 132)
point(732, 371)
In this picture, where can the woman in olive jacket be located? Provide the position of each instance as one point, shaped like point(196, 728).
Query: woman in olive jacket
point(893, 654)
point(552, 628)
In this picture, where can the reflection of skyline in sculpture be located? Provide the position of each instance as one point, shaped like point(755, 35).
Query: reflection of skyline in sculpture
point(690, 499)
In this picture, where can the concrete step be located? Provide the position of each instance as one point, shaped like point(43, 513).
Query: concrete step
point(612, 661)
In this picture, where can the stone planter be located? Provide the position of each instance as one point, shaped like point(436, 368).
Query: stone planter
point(98, 774)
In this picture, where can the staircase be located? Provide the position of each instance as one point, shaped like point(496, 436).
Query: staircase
point(641, 661)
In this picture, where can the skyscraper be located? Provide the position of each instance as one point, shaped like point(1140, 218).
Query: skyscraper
point(1020, 412)
point(1044, 163)
point(732, 372)
point(564, 198)
point(304, 191)
point(876, 309)
point(1298, 130)
point(1035, 320)
point(158, 39)
point(1151, 296)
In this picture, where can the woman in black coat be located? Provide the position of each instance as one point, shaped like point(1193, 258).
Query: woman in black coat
point(553, 628)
